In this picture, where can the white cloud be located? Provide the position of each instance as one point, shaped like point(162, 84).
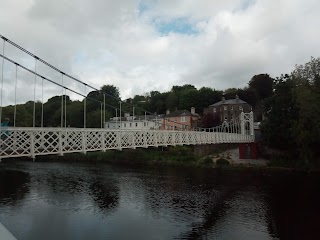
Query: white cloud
point(111, 42)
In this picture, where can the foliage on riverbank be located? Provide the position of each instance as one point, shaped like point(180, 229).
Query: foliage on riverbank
point(193, 156)
point(292, 116)
point(179, 155)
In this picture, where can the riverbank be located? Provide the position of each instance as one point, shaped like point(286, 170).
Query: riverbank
point(222, 156)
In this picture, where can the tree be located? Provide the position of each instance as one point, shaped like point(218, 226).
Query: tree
point(172, 101)
point(209, 120)
point(280, 111)
point(293, 113)
point(206, 97)
point(188, 98)
point(262, 85)
point(306, 128)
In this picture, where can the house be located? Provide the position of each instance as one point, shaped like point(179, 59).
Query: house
point(134, 122)
point(180, 120)
point(228, 110)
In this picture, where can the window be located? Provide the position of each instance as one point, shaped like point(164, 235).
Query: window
point(214, 110)
point(183, 119)
point(231, 108)
point(225, 108)
point(130, 124)
point(144, 124)
point(136, 124)
point(108, 126)
point(225, 117)
point(125, 125)
point(240, 108)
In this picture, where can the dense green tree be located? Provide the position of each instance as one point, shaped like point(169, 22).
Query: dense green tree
point(207, 96)
point(280, 112)
point(262, 84)
point(189, 98)
point(293, 113)
point(172, 101)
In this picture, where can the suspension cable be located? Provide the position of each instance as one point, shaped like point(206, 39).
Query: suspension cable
point(34, 93)
point(73, 78)
point(101, 113)
point(58, 70)
point(120, 116)
point(42, 102)
point(4, 41)
point(65, 107)
point(84, 107)
point(15, 98)
point(51, 81)
point(61, 115)
point(104, 108)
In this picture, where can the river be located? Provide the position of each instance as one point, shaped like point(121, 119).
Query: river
point(57, 200)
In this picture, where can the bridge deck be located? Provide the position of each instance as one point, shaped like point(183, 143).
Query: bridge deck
point(31, 142)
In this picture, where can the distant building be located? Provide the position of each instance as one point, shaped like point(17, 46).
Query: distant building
point(228, 110)
point(134, 122)
point(180, 120)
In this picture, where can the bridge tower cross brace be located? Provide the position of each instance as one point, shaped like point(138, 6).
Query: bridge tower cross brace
point(244, 119)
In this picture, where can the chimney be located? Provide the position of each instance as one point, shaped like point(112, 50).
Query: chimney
point(237, 97)
point(167, 112)
point(223, 99)
point(193, 111)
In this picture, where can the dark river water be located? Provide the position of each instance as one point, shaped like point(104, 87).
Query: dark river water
point(50, 200)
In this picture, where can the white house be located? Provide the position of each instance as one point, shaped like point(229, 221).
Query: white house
point(134, 122)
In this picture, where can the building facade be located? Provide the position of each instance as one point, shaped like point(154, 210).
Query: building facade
point(145, 122)
point(180, 120)
point(228, 110)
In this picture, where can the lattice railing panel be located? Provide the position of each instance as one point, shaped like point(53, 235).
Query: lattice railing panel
point(41, 141)
point(15, 144)
point(46, 142)
point(161, 138)
point(126, 139)
point(184, 138)
point(93, 140)
point(150, 138)
point(72, 141)
point(111, 140)
point(138, 138)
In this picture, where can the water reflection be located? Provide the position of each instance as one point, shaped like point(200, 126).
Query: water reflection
point(13, 186)
point(88, 201)
point(105, 194)
point(293, 201)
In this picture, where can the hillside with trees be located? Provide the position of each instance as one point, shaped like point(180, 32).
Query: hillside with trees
point(289, 105)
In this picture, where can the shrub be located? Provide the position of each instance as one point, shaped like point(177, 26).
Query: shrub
point(222, 162)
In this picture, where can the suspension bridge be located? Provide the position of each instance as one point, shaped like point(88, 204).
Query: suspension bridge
point(41, 140)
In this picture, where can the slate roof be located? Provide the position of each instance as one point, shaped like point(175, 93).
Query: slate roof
point(179, 113)
point(148, 117)
point(229, 102)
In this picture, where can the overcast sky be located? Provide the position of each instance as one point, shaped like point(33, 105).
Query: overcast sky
point(145, 45)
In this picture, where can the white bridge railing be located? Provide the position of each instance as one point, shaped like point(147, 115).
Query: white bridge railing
point(31, 142)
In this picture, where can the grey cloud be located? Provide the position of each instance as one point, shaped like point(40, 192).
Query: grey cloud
point(108, 42)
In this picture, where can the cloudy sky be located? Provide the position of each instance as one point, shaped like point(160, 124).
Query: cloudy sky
point(144, 45)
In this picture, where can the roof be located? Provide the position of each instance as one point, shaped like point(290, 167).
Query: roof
point(179, 113)
point(137, 118)
point(148, 117)
point(229, 102)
